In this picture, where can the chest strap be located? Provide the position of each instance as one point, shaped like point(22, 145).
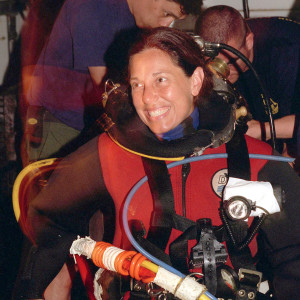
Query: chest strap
point(239, 167)
point(163, 216)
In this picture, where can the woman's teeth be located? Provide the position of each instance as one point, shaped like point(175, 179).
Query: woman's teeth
point(158, 112)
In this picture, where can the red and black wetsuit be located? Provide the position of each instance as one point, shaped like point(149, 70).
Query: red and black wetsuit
point(101, 170)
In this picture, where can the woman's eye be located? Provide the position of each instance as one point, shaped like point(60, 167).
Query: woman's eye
point(161, 79)
point(135, 85)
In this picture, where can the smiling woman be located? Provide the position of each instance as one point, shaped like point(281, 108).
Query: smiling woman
point(169, 85)
point(154, 85)
point(165, 83)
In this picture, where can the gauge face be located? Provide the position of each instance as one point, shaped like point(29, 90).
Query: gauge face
point(228, 279)
point(238, 210)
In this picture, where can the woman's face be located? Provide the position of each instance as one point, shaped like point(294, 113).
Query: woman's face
point(162, 94)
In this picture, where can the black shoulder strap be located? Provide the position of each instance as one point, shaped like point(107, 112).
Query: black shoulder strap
point(163, 199)
point(238, 164)
point(163, 217)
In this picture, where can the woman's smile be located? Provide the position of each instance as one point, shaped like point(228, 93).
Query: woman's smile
point(158, 112)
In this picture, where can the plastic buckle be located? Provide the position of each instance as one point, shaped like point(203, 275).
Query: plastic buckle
point(207, 253)
point(208, 246)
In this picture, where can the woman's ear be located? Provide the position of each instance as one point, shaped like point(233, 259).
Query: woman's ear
point(196, 81)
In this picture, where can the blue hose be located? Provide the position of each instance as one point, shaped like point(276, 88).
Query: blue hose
point(169, 166)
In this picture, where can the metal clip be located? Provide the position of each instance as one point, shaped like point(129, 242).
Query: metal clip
point(155, 291)
point(109, 87)
point(249, 284)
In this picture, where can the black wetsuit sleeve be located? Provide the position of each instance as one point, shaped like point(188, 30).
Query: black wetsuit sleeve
point(279, 238)
point(61, 211)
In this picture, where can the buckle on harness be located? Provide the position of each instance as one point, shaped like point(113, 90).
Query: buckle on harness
point(208, 249)
point(249, 282)
point(207, 253)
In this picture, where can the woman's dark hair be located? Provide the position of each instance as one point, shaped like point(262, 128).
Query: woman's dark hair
point(182, 49)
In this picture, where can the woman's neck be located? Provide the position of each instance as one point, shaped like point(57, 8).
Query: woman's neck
point(188, 126)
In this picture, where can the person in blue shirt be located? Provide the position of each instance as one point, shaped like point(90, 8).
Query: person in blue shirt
point(64, 89)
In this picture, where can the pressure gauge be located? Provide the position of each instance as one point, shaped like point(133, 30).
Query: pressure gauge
point(238, 208)
point(227, 282)
point(229, 279)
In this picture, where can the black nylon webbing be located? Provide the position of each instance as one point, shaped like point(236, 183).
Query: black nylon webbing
point(163, 199)
point(163, 217)
point(238, 164)
point(179, 249)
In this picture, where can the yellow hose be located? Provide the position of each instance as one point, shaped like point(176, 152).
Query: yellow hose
point(150, 266)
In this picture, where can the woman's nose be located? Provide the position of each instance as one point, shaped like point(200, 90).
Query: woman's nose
point(149, 94)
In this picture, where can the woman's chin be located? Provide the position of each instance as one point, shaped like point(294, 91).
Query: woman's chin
point(160, 133)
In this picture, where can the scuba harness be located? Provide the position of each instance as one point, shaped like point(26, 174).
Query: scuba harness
point(126, 129)
point(209, 253)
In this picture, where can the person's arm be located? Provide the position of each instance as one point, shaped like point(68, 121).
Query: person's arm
point(279, 238)
point(284, 128)
point(61, 211)
point(97, 74)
